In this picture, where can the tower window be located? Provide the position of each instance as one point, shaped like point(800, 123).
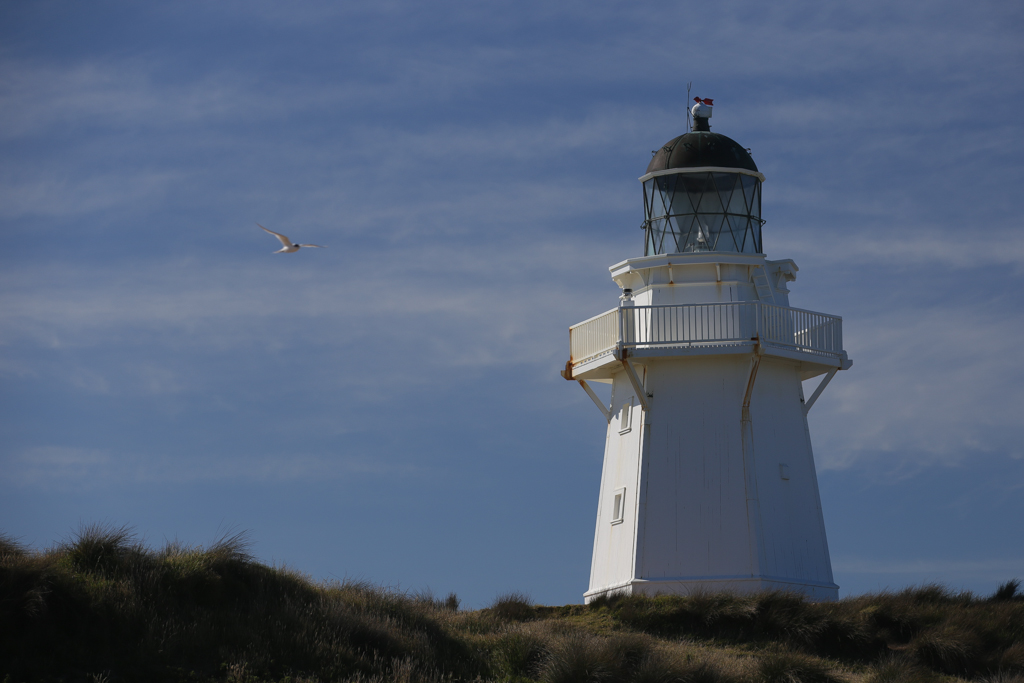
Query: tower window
point(619, 506)
point(784, 471)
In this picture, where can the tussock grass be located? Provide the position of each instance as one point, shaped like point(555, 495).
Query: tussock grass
point(896, 669)
point(517, 654)
point(791, 667)
point(513, 606)
point(1008, 591)
point(102, 601)
point(101, 606)
point(957, 634)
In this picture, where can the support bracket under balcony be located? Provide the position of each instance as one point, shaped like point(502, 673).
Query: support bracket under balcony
point(638, 386)
point(821, 388)
point(606, 411)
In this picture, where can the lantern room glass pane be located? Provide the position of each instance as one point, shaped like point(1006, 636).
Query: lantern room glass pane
point(697, 212)
point(739, 225)
point(738, 204)
point(708, 200)
point(751, 190)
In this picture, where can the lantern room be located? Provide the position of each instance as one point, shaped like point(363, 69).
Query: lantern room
point(702, 192)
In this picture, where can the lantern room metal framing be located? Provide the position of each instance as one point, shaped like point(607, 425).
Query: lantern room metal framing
point(702, 210)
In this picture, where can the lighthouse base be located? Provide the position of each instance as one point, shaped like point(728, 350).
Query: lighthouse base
point(741, 585)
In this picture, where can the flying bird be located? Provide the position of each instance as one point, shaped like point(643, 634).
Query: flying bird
point(289, 246)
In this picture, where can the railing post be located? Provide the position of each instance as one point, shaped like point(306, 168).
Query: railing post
point(618, 328)
point(625, 303)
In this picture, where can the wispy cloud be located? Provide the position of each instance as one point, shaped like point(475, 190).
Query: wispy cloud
point(909, 248)
point(481, 309)
point(99, 95)
point(49, 194)
point(46, 463)
point(49, 467)
point(932, 385)
point(997, 568)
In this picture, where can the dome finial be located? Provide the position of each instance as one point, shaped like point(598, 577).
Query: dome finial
point(701, 113)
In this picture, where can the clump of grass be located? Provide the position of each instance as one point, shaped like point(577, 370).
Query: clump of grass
point(101, 548)
point(448, 603)
point(575, 658)
point(513, 606)
point(791, 667)
point(702, 614)
point(630, 651)
point(704, 672)
point(895, 669)
point(947, 648)
point(517, 653)
point(1012, 658)
point(1003, 678)
point(11, 547)
point(1008, 591)
point(607, 599)
point(769, 616)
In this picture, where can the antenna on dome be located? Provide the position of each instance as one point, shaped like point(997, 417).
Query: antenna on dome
point(689, 124)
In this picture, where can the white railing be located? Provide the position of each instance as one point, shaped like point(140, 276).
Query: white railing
point(593, 337)
point(697, 325)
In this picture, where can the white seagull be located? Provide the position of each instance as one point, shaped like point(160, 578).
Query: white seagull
point(289, 246)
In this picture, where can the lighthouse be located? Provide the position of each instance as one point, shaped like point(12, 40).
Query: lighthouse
point(708, 482)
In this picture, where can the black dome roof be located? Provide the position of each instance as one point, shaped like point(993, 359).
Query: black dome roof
point(701, 148)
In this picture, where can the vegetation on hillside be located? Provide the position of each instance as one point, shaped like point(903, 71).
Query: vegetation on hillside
point(104, 608)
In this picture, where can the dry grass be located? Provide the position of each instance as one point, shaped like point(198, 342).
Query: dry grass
point(102, 607)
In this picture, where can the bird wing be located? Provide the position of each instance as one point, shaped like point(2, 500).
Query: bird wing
point(318, 246)
point(284, 240)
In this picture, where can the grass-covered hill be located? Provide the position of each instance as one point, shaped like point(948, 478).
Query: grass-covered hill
point(102, 607)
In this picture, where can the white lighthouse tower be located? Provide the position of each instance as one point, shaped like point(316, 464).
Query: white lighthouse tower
point(708, 479)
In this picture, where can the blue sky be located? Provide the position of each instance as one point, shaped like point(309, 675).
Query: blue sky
point(389, 408)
